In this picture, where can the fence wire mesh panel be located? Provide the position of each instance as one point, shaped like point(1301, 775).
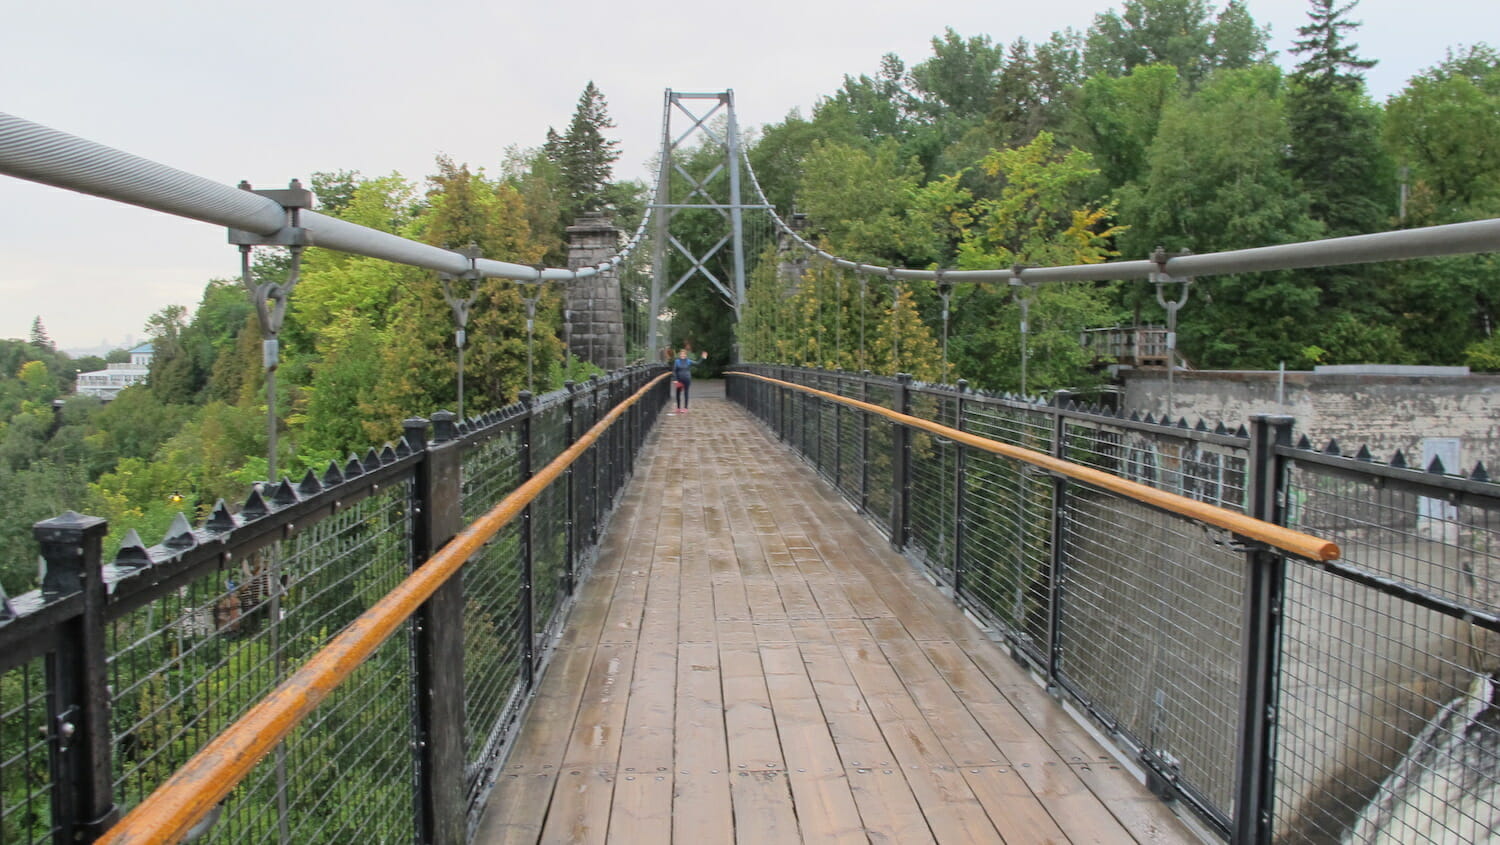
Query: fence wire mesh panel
point(26, 788)
point(827, 427)
point(491, 471)
point(1008, 548)
point(494, 650)
point(494, 643)
point(1027, 426)
point(849, 427)
point(1208, 468)
point(549, 520)
point(344, 774)
point(1150, 634)
point(586, 500)
point(1389, 728)
point(933, 503)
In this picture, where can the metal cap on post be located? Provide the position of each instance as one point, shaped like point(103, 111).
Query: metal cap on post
point(444, 426)
point(79, 730)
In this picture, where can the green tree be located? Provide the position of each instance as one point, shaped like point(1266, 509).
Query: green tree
point(1116, 119)
point(171, 376)
point(1183, 33)
point(1335, 152)
point(1034, 88)
point(1442, 127)
point(39, 337)
point(959, 81)
point(1042, 217)
point(1217, 180)
point(585, 157)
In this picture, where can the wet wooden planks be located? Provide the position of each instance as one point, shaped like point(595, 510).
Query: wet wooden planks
point(750, 662)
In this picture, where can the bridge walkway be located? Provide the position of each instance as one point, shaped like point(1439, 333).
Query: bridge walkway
point(749, 661)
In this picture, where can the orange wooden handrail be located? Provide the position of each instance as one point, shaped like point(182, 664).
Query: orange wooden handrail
point(1286, 539)
point(195, 789)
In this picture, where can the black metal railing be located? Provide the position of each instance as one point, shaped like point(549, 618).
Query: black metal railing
point(114, 674)
point(1281, 698)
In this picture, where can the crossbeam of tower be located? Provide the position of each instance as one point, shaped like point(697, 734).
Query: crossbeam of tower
point(703, 192)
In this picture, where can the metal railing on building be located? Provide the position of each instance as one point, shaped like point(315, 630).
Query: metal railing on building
point(1283, 690)
point(117, 674)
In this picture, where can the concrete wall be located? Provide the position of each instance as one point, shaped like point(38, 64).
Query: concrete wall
point(1385, 408)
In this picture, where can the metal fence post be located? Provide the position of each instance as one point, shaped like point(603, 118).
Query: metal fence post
point(781, 397)
point(864, 444)
point(438, 650)
point(527, 598)
point(960, 468)
point(1057, 560)
point(838, 432)
point(570, 521)
point(1255, 783)
point(598, 453)
point(900, 464)
point(79, 731)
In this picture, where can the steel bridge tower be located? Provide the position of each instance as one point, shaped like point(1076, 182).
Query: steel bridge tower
point(708, 192)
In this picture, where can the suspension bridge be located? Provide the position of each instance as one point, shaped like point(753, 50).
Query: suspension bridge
point(819, 606)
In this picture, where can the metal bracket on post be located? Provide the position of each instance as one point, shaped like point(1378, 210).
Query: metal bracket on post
point(530, 300)
point(460, 306)
point(271, 297)
point(1161, 278)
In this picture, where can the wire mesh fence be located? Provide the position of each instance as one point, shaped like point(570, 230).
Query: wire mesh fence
point(1378, 671)
point(166, 646)
point(1388, 724)
point(27, 791)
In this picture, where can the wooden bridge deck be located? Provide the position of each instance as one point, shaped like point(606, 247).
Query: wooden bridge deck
point(750, 662)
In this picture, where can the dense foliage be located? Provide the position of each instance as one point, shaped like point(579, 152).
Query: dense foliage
point(366, 344)
point(1167, 123)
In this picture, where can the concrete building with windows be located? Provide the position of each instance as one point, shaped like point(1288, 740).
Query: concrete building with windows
point(106, 384)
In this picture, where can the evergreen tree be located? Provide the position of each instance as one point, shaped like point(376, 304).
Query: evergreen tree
point(584, 155)
point(39, 337)
point(1335, 151)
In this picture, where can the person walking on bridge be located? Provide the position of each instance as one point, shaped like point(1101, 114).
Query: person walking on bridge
point(682, 374)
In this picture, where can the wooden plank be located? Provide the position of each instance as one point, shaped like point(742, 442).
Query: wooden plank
point(1013, 734)
point(826, 809)
point(763, 811)
point(1147, 818)
point(642, 808)
point(580, 806)
point(1016, 813)
point(952, 811)
point(749, 723)
point(516, 809)
point(1077, 810)
point(650, 717)
point(955, 726)
point(789, 678)
point(595, 743)
point(701, 808)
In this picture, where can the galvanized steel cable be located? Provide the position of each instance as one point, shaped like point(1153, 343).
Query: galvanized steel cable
point(1426, 242)
point(49, 156)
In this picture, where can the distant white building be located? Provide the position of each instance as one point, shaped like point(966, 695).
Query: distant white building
point(106, 384)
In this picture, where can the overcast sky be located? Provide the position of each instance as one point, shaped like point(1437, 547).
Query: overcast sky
point(239, 91)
